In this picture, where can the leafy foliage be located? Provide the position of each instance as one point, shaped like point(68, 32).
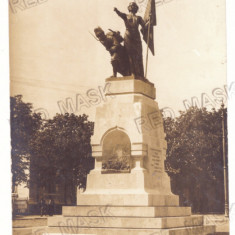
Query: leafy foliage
point(61, 154)
point(24, 125)
point(195, 159)
point(57, 151)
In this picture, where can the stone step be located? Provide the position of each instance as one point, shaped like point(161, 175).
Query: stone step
point(125, 211)
point(29, 222)
point(30, 231)
point(134, 199)
point(126, 222)
point(198, 230)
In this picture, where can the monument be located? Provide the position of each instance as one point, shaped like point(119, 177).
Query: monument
point(135, 198)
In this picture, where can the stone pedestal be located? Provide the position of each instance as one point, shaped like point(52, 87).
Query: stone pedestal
point(140, 201)
point(130, 112)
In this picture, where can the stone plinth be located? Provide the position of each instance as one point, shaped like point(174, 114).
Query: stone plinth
point(129, 85)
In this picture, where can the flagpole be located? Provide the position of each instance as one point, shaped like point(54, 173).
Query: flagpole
point(147, 54)
point(226, 208)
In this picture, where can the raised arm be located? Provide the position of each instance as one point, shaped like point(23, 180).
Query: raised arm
point(122, 15)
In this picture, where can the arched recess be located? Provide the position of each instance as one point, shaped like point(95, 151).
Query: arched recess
point(116, 152)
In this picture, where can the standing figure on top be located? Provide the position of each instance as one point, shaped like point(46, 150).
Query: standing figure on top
point(132, 40)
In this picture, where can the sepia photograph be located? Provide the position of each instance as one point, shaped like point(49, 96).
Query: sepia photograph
point(118, 115)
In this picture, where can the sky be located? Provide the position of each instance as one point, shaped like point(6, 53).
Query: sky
point(53, 56)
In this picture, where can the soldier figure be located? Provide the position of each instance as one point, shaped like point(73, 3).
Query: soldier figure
point(112, 42)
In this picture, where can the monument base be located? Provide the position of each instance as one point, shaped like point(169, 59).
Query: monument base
point(116, 220)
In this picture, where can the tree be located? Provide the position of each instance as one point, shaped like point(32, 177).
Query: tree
point(61, 154)
point(194, 158)
point(24, 125)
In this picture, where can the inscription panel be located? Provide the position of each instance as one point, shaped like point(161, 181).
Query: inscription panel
point(156, 162)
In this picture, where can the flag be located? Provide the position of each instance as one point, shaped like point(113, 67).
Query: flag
point(150, 12)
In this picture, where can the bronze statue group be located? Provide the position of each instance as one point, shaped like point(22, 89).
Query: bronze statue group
point(126, 59)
